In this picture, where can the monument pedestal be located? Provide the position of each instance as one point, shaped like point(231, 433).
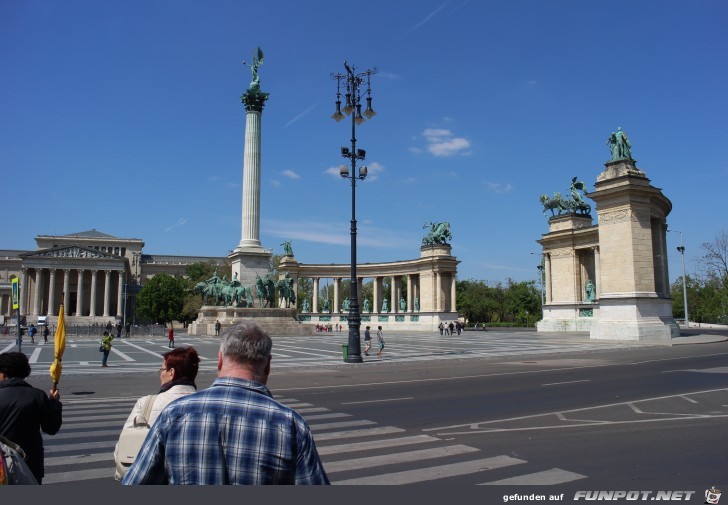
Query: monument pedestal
point(277, 322)
point(634, 298)
point(248, 264)
point(639, 318)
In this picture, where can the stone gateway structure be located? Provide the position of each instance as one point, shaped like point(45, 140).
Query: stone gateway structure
point(611, 279)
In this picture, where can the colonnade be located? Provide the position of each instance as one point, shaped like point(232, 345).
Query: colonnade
point(42, 288)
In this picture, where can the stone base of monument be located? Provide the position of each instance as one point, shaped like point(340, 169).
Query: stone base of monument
point(568, 317)
point(277, 322)
point(647, 319)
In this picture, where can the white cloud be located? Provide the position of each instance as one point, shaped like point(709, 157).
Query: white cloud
point(443, 143)
point(497, 187)
point(291, 174)
point(180, 222)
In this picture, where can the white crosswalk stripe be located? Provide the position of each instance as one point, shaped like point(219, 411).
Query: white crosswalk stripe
point(354, 451)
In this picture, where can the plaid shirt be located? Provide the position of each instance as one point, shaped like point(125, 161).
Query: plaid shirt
point(234, 432)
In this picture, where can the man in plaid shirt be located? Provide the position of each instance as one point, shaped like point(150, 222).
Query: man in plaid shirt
point(234, 432)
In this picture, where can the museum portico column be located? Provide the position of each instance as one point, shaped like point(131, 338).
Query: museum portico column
point(314, 302)
point(66, 275)
point(52, 293)
point(92, 304)
point(79, 293)
point(36, 297)
point(23, 300)
point(107, 293)
point(120, 294)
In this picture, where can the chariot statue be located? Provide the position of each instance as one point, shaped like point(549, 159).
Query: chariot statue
point(439, 233)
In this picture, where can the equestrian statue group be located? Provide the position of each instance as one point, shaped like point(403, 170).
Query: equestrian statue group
point(575, 205)
point(218, 291)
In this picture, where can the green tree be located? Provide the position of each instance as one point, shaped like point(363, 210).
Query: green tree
point(162, 298)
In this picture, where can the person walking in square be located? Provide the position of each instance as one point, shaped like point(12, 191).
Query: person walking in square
point(106, 347)
point(46, 332)
point(31, 332)
point(171, 335)
point(367, 341)
point(217, 328)
point(380, 338)
point(234, 432)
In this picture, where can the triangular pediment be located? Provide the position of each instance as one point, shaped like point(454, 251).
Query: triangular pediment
point(72, 251)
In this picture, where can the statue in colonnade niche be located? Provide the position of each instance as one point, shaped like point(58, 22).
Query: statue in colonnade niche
point(385, 305)
point(366, 305)
point(591, 291)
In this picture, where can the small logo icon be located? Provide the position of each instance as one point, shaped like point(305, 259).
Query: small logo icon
point(712, 496)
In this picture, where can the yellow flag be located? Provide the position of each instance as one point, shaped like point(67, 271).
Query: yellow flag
point(59, 348)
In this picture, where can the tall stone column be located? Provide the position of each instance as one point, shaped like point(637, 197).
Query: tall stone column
point(597, 273)
point(547, 276)
point(377, 286)
point(438, 292)
point(249, 258)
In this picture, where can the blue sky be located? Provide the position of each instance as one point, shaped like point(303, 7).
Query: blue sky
point(126, 117)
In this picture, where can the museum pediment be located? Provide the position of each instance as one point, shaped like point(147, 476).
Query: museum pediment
point(70, 252)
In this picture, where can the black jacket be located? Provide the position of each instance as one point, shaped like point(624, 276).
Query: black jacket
point(24, 411)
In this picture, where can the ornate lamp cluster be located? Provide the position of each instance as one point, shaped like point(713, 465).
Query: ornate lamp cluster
point(354, 82)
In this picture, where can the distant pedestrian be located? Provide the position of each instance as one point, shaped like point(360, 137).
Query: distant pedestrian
point(127, 328)
point(106, 347)
point(380, 338)
point(118, 329)
point(109, 327)
point(447, 329)
point(367, 341)
point(441, 327)
point(217, 327)
point(31, 332)
point(452, 328)
point(46, 331)
point(25, 411)
point(171, 335)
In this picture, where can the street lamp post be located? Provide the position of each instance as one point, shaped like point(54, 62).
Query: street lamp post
point(681, 250)
point(353, 82)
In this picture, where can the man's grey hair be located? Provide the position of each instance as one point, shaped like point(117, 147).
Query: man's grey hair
point(246, 342)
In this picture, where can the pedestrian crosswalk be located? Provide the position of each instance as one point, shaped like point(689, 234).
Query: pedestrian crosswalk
point(354, 451)
point(317, 351)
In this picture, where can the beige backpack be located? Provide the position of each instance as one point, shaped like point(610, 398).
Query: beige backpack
point(131, 439)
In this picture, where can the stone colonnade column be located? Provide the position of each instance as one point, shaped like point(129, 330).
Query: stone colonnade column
point(453, 294)
point(375, 295)
point(393, 302)
point(337, 285)
point(314, 302)
point(410, 300)
point(438, 292)
point(66, 275)
point(597, 273)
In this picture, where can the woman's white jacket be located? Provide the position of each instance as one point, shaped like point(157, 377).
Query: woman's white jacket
point(162, 400)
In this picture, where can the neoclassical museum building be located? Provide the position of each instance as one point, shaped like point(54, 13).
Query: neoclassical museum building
point(97, 275)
